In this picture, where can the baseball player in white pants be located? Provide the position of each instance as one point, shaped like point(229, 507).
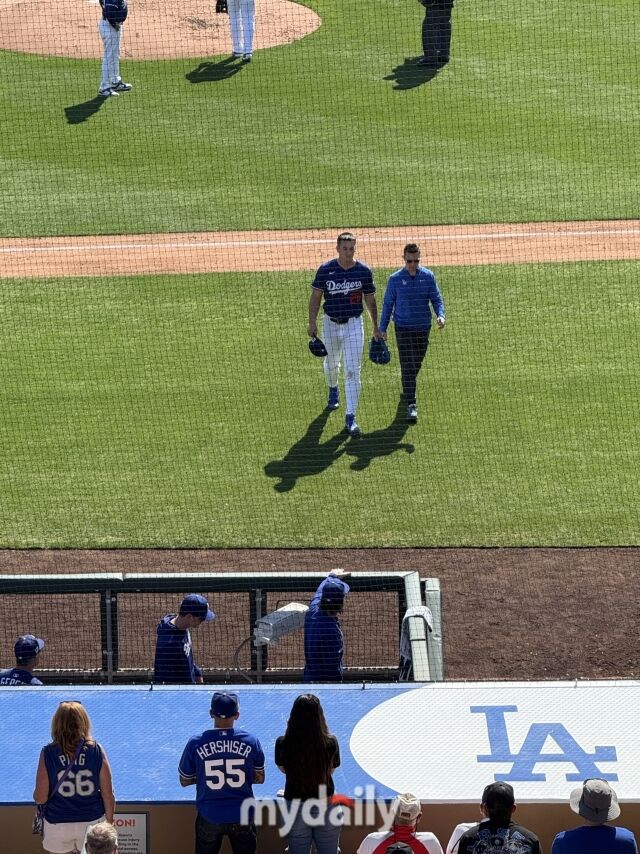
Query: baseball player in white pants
point(344, 283)
point(242, 21)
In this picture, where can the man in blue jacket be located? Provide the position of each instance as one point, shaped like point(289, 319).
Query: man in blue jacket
point(174, 664)
point(597, 804)
point(323, 639)
point(410, 292)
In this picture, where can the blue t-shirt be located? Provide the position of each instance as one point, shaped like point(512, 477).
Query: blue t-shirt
point(323, 640)
point(223, 762)
point(174, 664)
point(408, 298)
point(18, 676)
point(343, 289)
point(599, 839)
point(79, 797)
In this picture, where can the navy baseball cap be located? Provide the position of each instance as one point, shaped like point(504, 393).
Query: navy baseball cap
point(28, 646)
point(224, 704)
point(334, 591)
point(197, 605)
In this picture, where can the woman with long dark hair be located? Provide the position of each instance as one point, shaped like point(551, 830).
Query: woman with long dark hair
point(307, 754)
point(73, 782)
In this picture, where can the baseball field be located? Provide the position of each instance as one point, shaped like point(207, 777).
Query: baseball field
point(157, 248)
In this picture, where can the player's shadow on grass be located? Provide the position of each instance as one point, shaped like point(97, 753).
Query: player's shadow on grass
point(381, 443)
point(210, 72)
point(408, 75)
point(81, 112)
point(308, 456)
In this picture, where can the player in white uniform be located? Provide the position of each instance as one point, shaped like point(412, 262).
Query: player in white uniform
point(344, 283)
point(242, 22)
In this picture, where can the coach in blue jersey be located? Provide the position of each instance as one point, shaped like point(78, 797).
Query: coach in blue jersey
point(223, 763)
point(27, 649)
point(344, 283)
point(174, 664)
point(409, 292)
point(323, 639)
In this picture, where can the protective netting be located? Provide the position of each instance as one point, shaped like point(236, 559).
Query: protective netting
point(159, 245)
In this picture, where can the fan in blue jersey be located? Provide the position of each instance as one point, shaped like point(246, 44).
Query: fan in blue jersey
point(73, 782)
point(223, 763)
point(344, 283)
point(174, 663)
point(27, 649)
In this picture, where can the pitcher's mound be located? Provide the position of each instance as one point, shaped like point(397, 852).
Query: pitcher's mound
point(153, 30)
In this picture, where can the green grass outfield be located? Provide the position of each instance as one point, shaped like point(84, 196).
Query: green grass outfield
point(534, 119)
point(166, 411)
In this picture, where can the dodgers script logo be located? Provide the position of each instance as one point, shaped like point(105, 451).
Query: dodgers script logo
point(343, 287)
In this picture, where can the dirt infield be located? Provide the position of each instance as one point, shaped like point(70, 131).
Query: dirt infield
point(205, 252)
point(507, 613)
point(192, 29)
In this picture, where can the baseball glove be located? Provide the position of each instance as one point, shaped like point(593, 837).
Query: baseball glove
point(379, 352)
point(316, 346)
point(221, 6)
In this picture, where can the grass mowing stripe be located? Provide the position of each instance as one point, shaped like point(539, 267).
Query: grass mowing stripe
point(534, 119)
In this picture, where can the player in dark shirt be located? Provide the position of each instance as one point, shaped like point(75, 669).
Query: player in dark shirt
point(27, 649)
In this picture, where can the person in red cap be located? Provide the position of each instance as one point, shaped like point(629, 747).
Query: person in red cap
point(27, 649)
point(174, 663)
point(223, 763)
point(404, 831)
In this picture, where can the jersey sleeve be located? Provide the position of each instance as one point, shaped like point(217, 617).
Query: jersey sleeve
point(368, 285)
point(258, 762)
point(187, 765)
point(318, 284)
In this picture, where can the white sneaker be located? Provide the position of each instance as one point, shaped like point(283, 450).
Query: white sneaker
point(107, 93)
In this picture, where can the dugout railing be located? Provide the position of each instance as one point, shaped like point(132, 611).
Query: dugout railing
point(126, 604)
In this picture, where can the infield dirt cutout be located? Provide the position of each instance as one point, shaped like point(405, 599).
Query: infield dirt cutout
point(153, 31)
point(217, 252)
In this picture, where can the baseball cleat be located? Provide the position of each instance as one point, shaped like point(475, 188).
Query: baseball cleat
point(334, 397)
point(412, 413)
point(351, 427)
point(107, 93)
point(121, 86)
point(246, 58)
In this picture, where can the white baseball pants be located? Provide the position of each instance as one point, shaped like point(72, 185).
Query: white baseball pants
point(111, 59)
point(344, 342)
point(242, 21)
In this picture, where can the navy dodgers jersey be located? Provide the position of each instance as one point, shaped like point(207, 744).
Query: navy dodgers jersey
point(223, 762)
point(79, 797)
point(343, 289)
point(18, 676)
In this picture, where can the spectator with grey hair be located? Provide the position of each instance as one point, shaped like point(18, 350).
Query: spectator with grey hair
point(101, 838)
point(596, 803)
